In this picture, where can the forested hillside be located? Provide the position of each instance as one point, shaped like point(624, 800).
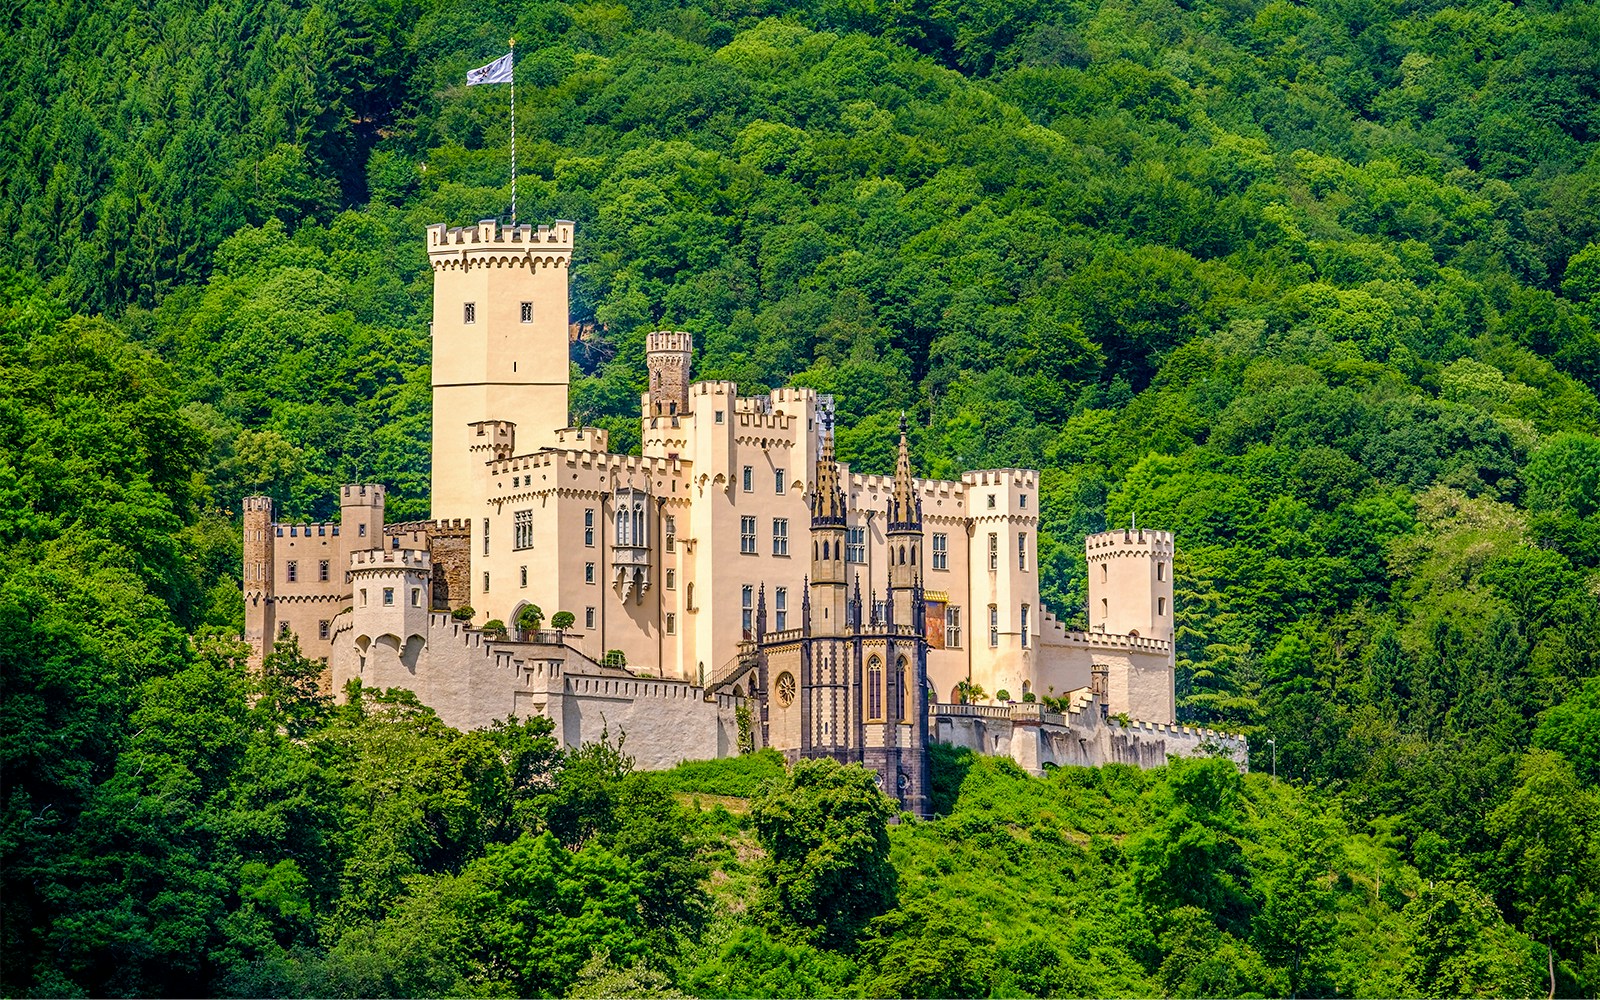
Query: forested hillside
point(1314, 285)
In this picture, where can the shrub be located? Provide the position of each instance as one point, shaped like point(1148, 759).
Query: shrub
point(1002, 695)
point(463, 613)
point(616, 658)
point(530, 617)
point(562, 620)
point(495, 627)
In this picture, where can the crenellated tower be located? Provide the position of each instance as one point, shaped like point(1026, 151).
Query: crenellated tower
point(904, 535)
point(499, 343)
point(828, 586)
point(668, 354)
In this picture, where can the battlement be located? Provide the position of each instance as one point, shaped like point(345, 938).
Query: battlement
point(1016, 478)
point(258, 505)
point(928, 489)
point(489, 235)
point(715, 388)
point(584, 438)
point(1126, 541)
point(792, 394)
point(370, 560)
point(1108, 640)
point(361, 494)
point(442, 528)
point(668, 342)
point(587, 459)
point(497, 436)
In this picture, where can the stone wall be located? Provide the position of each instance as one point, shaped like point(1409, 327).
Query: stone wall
point(1035, 738)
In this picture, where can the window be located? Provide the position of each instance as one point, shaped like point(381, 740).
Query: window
point(991, 501)
point(522, 529)
point(1104, 572)
point(994, 552)
point(1024, 626)
point(388, 597)
point(904, 676)
point(527, 312)
point(747, 535)
point(283, 628)
point(486, 536)
point(395, 542)
point(719, 416)
point(672, 579)
point(322, 570)
point(416, 597)
point(780, 536)
point(363, 597)
point(486, 583)
point(588, 527)
point(672, 623)
point(780, 603)
point(749, 479)
point(1161, 571)
point(323, 629)
point(1022, 500)
point(469, 312)
point(952, 627)
point(1022, 551)
point(994, 626)
point(588, 572)
point(294, 570)
point(855, 545)
point(588, 617)
point(1161, 606)
point(1105, 607)
point(747, 609)
point(669, 524)
point(361, 531)
point(941, 551)
point(777, 481)
point(874, 690)
point(524, 576)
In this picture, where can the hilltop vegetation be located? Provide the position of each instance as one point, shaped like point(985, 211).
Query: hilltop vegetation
point(1313, 285)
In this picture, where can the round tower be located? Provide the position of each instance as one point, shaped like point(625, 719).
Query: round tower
point(667, 354)
point(1130, 582)
point(257, 582)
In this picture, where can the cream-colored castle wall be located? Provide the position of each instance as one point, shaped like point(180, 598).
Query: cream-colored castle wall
point(1035, 738)
point(496, 367)
point(1130, 582)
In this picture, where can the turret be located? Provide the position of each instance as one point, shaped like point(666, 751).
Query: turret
point(258, 569)
point(904, 535)
point(361, 516)
point(1130, 582)
point(828, 584)
point(667, 355)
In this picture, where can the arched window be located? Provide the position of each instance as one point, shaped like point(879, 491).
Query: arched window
point(907, 703)
point(902, 555)
point(913, 555)
point(874, 690)
point(824, 551)
point(622, 527)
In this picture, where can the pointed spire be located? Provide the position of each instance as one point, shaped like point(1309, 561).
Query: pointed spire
point(827, 502)
point(905, 506)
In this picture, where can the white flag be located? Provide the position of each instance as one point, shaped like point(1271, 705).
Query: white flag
point(498, 71)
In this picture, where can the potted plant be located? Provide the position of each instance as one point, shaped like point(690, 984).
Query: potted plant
point(463, 613)
point(494, 628)
point(562, 620)
point(530, 618)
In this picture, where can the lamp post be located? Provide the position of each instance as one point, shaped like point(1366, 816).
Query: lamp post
point(1274, 743)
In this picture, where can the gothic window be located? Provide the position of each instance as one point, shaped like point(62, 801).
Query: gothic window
point(294, 570)
point(416, 597)
point(941, 551)
point(322, 570)
point(624, 536)
point(1022, 551)
point(747, 535)
point(485, 536)
point(672, 624)
point(855, 545)
point(747, 610)
point(780, 604)
point(388, 597)
point(875, 690)
point(323, 628)
point(785, 688)
point(469, 312)
point(991, 501)
point(486, 583)
point(777, 481)
point(588, 617)
point(669, 524)
point(283, 629)
point(672, 579)
point(524, 576)
point(994, 626)
point(780, 536)
point(1024, 626)
point(906, 703)
point(588, 527)
point(952, 627)
point(522, 529)
point(527, 312)
point(994, 552)
point(749, 479)
point(588, 572)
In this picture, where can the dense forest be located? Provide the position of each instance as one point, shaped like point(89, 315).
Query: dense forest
point(1314, 284)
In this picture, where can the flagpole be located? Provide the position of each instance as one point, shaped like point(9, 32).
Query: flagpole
point(513, 132)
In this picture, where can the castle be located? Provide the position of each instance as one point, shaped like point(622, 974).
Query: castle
point(733, 585)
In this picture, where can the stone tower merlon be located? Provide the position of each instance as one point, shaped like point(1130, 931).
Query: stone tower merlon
point(1130, 582)
point(500, 344)
point(668, 354)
